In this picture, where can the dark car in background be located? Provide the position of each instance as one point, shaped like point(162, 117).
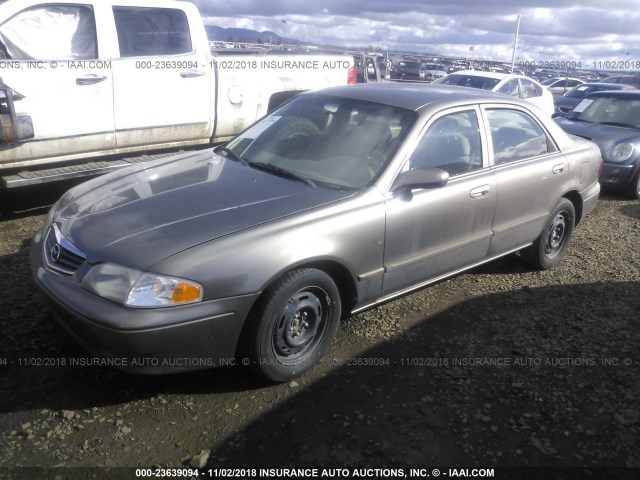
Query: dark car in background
point(633, 80)
point(573, 97)
point(410, 70)
point(611, 119)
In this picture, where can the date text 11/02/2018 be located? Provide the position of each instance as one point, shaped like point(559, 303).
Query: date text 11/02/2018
point(574, 64)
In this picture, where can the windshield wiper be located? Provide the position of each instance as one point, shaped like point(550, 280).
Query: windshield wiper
point(230, 154)
point(281, 171)
point(619, 124)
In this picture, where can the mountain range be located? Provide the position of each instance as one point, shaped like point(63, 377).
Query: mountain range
point(220, 34)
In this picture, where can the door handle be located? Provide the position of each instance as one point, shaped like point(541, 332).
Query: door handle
point(558, 169)
point(480, 192)
point(192, 74)
point(90, 79)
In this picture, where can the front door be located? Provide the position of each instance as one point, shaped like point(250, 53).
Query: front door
point(431, 233)
point(51, 57)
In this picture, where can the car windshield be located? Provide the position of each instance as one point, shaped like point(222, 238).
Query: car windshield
point(473, 81)
point(330, 141)
point(623, 112)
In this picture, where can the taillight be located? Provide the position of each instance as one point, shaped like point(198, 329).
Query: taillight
point(353, 76)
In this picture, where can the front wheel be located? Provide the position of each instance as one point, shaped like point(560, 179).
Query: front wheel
point(551, 246)
point(297, 319)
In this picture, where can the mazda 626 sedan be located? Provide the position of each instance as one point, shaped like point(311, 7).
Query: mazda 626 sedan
point(336, 202)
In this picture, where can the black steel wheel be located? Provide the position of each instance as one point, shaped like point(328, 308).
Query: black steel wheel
point(551, 246)
point(297, 319)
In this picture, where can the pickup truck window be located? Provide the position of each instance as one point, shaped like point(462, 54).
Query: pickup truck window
point(50, 32)
point(152, 31)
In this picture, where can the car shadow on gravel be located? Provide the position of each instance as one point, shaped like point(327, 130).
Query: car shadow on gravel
point(539, 377)
point(631, 210)
point(35, 355)
point(32, 200)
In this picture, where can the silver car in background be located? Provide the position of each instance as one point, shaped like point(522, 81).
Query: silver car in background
point(338, 201)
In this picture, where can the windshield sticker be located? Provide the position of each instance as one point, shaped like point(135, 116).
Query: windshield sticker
point(583, 105)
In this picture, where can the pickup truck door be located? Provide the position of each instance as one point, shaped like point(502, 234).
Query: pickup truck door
point(162, 79)
point(50, 55)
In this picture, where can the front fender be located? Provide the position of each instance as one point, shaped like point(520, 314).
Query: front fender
point(349, 233)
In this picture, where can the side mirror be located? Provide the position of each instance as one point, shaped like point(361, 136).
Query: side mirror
point(420, 178)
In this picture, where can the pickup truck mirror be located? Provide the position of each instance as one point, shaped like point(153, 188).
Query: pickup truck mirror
point(420, 178)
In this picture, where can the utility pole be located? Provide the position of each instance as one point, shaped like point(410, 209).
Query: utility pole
point(515, 45)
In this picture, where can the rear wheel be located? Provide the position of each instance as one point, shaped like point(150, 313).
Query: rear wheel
point(633, 191)
point(551, 246)
point(297, 319)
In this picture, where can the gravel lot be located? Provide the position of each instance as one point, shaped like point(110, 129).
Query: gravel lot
point(500, 367)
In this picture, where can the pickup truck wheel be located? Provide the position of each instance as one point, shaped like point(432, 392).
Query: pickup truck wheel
point(294, 127)
point(551, 246)
point(298, 317)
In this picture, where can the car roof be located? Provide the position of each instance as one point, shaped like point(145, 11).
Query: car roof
point(413, 96)
point(622, 94)
point(564, 78)
point(613, 86)
point(481, 73)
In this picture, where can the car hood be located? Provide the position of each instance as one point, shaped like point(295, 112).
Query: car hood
point(605, 136)
point(142, 215)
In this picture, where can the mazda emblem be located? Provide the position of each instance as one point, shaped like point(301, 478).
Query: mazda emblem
point(55, 252)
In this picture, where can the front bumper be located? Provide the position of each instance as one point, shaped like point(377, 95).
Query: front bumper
point(148, 341)
point(615, 176)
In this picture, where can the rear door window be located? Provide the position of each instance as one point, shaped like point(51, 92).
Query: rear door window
point(152, 31)
point(516, 136)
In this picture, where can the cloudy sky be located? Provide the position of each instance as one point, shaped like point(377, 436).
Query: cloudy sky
point(577, 30)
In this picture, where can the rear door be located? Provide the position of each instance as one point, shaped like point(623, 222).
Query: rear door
point(530, 174)
point(433, 232)
point(51, 57)
point(162, 79)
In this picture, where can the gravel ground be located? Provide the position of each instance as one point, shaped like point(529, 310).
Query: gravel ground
point(500, 367)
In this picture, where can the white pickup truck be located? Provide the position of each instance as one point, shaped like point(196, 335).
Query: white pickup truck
point(92, 81)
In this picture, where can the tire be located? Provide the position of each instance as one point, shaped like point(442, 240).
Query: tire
point(551, 246)
point(633, 191)
point(294, 127)
point(295, 322)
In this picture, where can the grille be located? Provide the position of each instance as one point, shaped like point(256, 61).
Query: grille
point(60, 254)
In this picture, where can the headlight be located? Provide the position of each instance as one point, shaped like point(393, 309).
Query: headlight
point(134, 288)
point(622, 152)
